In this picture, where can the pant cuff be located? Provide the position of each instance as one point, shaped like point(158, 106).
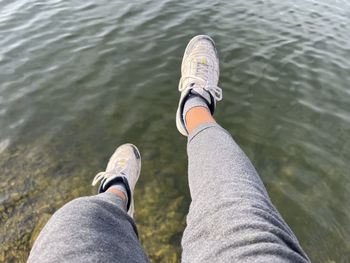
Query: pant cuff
point(199, 129)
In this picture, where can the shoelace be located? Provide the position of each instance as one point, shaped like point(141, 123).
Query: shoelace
point(202, 72)
point(105, 175)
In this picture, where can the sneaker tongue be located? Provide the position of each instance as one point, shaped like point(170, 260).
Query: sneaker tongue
point(201, 92)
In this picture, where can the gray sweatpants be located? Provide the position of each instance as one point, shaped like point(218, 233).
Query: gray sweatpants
point(231, 218)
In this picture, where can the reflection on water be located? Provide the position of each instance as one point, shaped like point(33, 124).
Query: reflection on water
point(78, 78)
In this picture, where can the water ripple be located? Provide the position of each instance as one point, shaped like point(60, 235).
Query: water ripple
point(78, 77)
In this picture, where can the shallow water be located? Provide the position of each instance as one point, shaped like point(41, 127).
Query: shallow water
point(78, 78)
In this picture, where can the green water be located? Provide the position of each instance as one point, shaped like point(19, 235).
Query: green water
point(78, 78)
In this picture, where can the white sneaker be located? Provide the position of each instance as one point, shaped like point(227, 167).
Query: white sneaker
point(199, 74)
point(124, 166)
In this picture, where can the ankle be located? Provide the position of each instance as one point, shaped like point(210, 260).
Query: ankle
point(119, 190)
point(197, 116)
point(117, 193)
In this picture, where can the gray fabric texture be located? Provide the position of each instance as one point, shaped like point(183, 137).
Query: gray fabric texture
point(89, 229)
point(231, 218)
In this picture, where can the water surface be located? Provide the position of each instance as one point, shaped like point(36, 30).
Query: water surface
point(78, 78)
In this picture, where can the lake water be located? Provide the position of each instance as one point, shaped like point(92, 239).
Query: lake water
point(78, 78)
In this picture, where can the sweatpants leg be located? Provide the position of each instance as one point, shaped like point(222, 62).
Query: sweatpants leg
point(89, 229)
point(231, 218)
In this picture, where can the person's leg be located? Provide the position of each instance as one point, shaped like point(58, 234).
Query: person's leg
point(231, 218)
point(99, 228)
point(89, 229)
